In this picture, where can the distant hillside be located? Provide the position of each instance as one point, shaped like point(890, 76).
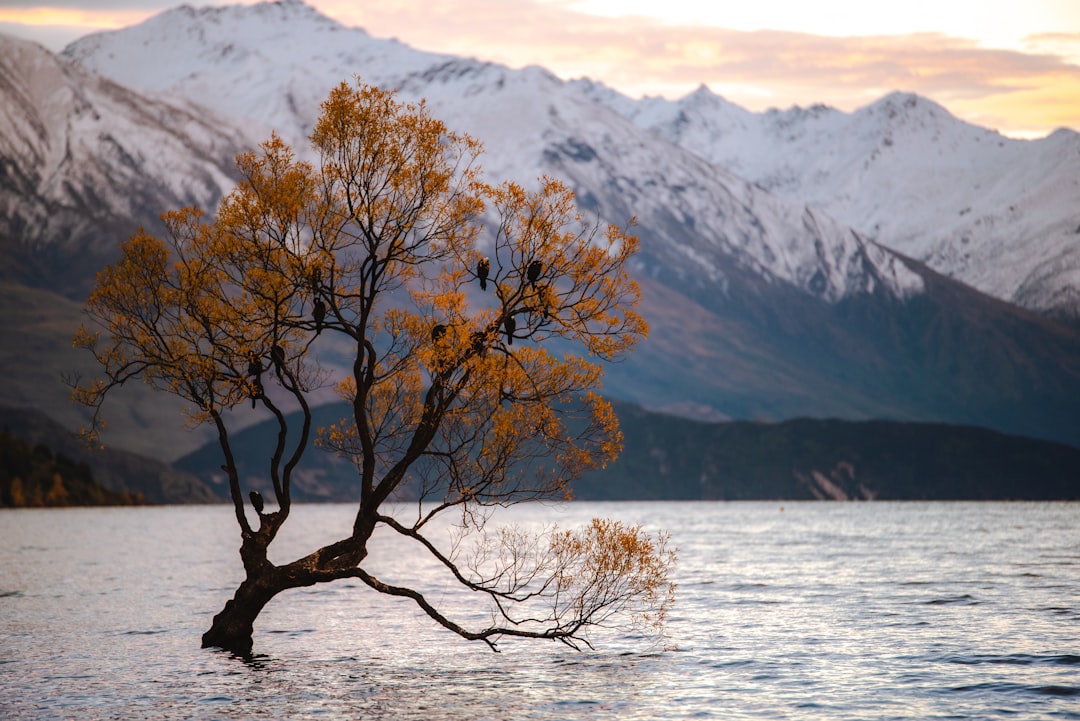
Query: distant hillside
point(32, 477)
point(667, 457)
point(117, 471)
point(674, 458)
point(322, 476)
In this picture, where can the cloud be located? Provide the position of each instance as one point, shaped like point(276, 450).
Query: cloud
point(1028, 90)
point(1005, 88)
point(77, 16)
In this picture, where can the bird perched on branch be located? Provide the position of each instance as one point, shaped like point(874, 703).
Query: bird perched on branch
point(256, 501)
point(483, 268)
point(510, 324)
point(319, 314)
point(532, 273)
point(438, 332)
point(277, 355)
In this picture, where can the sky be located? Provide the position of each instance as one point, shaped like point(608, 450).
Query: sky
point(1010, 65)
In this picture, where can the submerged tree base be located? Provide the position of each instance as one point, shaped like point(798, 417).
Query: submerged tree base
point(231, 631)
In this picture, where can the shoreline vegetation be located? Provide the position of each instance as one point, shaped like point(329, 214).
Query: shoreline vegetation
point(37, 448)
point(32, 476)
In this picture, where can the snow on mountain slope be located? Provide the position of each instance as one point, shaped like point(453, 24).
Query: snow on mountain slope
point(273, 63)
point(79, 155)
point(999, 214)
point(83, 163)
point(760, 306)
point(708, 219)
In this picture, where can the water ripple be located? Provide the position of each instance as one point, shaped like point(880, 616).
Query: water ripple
point(826, 612)
point(963, 600)
point(1018, 659)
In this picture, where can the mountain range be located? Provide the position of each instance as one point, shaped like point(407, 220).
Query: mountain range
point(1001, 215)
point(889, 263)
point(83, 163)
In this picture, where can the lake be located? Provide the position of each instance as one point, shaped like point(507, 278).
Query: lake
point(784, 611)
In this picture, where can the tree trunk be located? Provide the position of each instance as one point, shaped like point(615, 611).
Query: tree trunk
point(233, 627)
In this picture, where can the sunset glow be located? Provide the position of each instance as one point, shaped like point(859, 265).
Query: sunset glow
point(92, 20)
point(1017, 73)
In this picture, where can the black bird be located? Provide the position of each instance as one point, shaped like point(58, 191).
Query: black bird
point(319, 313)
point(510, 325)
point(533, 272)
point(277, 354)
point(483, 268)
point(255, 369)
point(256, 501)
point(438, 332)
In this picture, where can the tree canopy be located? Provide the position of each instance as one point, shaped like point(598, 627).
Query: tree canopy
point(475, 318)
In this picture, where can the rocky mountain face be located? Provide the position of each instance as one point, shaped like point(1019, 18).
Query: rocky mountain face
point(761, 304)
point(996, 213)
point(84, 161)
point(270, 65)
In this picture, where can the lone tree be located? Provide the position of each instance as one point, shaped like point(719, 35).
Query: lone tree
point(455, 392)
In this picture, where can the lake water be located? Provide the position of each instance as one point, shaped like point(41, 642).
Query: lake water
point(785, 611)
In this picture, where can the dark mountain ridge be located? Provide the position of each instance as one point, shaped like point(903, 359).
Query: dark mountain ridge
point(671, 458)
point(804, 459)
point(118, 471)
point(949, 354)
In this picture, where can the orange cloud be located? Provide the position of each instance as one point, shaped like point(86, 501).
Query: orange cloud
point(73, 17)
point(1011, 90)
point(1027, 91)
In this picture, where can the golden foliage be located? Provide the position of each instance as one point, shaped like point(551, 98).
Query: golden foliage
point(568, 581)
point(610, 568)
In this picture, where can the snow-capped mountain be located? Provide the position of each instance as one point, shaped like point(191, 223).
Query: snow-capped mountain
point(760, 306)
point(83, 163)
point(81, 157)
point(999, 214)
point(273, 63)
point(265, 65)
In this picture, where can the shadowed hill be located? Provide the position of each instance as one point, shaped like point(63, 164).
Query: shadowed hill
point(32, 477)
point(674, 458)
point(667, 458)
point(117, 471)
